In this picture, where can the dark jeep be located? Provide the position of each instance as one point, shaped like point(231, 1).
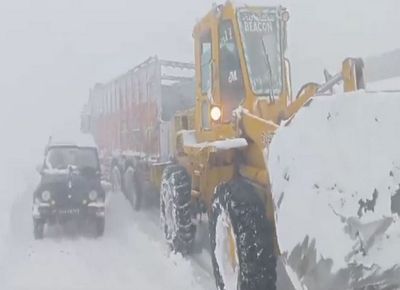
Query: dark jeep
point(70, 187)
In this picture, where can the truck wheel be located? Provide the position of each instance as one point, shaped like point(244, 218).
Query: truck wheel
point(242, 240)
point(131, 188)
point(116, 178)
point(38, 229)
point(100, 226)
point(175, 207)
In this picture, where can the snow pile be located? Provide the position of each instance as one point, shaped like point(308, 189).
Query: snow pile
point(189, 139)
point(335, 173)
point(224, 229)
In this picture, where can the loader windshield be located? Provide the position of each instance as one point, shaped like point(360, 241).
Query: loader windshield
point(261, 42)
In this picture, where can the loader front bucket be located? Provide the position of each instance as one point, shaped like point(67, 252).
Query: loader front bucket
point(335, 174)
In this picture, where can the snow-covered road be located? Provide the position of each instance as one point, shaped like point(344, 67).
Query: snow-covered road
point(131, 255)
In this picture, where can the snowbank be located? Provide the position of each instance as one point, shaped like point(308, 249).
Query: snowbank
point(335, 173)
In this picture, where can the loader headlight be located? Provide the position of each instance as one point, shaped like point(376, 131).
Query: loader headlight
point(46, 195)
point(93, 195)
point(215, 113)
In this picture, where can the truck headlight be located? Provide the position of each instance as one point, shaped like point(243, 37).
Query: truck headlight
point(215, 113)
point(46, 195)
point(93, 195)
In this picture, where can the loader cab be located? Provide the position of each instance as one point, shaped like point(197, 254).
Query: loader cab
point(240, 62)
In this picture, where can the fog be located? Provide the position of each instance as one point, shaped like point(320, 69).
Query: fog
point(52, 52)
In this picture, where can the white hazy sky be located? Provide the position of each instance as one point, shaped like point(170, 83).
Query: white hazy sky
point(53, 51)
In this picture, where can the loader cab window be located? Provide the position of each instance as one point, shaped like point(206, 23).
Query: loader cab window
point(206, 63)
point(260, 31)
point(231, 78)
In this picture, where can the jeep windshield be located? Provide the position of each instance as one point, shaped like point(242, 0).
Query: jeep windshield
point(64, 157)
point(259, 29)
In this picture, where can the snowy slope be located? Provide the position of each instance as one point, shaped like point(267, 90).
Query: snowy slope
point(388, 84)
point(335, 172)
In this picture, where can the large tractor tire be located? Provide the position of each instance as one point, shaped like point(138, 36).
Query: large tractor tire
point(131, 188)
point(175, 207)
point(242, 240)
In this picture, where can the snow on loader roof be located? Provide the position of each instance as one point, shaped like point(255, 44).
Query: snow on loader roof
point(335, 173)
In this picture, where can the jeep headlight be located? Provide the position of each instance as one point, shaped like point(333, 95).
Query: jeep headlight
point(46, 195)
point(93, 195)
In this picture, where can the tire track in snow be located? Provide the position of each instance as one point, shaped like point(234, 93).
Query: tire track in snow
point(148, 220)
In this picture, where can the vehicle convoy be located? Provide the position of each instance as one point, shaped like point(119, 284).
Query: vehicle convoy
point(70, 188)
point(213, 158)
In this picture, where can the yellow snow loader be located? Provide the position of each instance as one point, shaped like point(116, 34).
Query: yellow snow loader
point(243, 95)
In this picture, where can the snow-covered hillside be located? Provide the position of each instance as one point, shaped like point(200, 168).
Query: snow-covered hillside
point(335, 171)
point(388, 84)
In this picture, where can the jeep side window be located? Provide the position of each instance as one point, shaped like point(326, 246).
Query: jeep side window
point(231, 78)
